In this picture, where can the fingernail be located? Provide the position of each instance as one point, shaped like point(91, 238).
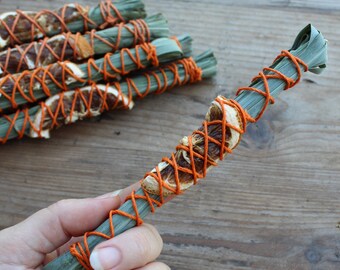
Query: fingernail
point(105, 258)
point(116, 193)
point(122, 193)
point(109, 195)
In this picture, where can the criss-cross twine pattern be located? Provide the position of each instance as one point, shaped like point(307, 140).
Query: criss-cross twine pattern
point(140, 32)
point(270, 73)
point(25, 84)
point(14, 24)
point(68, 47)
point(207, 132)
point(92, 99)
point(192, 74)
point(65, 108)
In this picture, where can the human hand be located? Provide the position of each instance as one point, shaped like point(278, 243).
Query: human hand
point(48, 233)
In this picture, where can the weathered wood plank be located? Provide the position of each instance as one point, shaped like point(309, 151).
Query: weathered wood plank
point(271, 205)
point(309, 4)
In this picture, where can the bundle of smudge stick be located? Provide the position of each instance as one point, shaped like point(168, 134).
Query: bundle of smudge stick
point(58, 67)
point(61, 66)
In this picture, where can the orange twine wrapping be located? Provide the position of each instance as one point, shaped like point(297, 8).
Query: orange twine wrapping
point(107, 9)
point(82, 252)
point(192, 74)
point(44, 75)
point(74, 42)
point(289, 82)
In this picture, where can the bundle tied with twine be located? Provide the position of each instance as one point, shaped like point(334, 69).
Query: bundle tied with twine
point(25, 26)
point(90, 101)
point(78, 47)
point(219, 134)
point(30, 86)
point(75, 61)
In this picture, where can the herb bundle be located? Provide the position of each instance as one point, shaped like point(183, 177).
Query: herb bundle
point(76, 74)
point(24, 26)
point(30, 86)
point(93, 100)
point(219, 134)
point(74, 69)
point(77, 47)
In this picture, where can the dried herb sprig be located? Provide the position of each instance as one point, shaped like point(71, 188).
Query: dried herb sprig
point(310, 47)
point(90, 101)
point(25, 26)
point(76, 47)
point(30, 86)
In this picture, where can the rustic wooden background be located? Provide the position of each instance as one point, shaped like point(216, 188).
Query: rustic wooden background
point(274, 204)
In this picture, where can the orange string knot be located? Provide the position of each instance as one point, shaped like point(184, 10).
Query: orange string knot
point(177, 41)
point(195, 73)
point(151, 52)
point(110, 14)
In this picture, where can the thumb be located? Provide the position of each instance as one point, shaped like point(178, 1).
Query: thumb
point(130, 250)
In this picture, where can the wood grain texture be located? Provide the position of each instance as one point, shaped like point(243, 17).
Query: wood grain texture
point(271, 205)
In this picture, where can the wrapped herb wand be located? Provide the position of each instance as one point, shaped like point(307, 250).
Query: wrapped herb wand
point(26, 26)
point(30, 86)
point(76, 47)
point(90, 101)
point(219, 134)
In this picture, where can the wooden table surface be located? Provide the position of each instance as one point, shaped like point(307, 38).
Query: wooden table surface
point(273, 204)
